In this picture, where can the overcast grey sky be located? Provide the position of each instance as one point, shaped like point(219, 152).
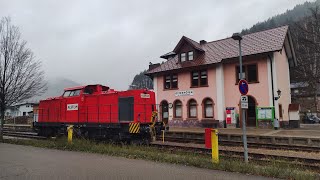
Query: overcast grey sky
point(108, 42)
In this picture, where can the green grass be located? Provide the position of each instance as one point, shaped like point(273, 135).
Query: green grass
point(271, 169)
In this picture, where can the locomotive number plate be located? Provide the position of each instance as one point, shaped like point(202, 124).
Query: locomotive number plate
point(72, 107)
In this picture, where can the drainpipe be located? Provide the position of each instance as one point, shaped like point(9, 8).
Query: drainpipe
point(272, 86)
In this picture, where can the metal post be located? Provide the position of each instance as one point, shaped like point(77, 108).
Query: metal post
point(244, 131)
point(214, 146)
point(70, 132)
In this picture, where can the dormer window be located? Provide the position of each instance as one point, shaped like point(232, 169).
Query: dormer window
point(183, 57)
point(187, 56)
point(190, 55)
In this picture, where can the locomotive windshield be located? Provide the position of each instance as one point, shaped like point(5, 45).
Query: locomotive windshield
point(72, 93)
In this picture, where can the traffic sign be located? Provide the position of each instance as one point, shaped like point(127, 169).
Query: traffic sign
point(244, 99)
point(244, 105)
point(244, 102)
point(243, 87)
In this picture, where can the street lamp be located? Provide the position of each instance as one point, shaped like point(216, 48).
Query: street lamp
point(238, 37)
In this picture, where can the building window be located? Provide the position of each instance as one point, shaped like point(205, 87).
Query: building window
point(190, 55)
point(195, 79)
point(199, 78)
point(208, 108)
point(192, 108)
point(174, 82)
point(171, 81)
point(183, 57)
point(177, 109)
point(203, 78)
point(249, 73)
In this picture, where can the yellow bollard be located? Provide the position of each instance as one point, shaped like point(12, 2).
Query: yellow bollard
point(214, 146)
point(162, 136)
point(70, 132)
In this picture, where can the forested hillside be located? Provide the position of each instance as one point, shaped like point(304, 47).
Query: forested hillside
point(288, 18)
point(141, 81)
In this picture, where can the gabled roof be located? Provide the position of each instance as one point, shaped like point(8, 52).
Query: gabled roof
point(214, 52)
point(193, 43)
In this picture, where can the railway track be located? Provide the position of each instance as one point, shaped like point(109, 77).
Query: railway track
point(197, 140)
point(29, 135)
point(313, 163)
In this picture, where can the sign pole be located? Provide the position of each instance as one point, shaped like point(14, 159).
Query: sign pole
point(244, 131)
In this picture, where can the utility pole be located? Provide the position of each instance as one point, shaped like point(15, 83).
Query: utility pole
point(238, 37)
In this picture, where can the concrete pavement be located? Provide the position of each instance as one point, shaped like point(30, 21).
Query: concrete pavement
point(24, 162)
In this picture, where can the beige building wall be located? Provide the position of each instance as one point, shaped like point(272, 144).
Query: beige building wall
point(283, 83)
point(259, 91)
point(199, 93)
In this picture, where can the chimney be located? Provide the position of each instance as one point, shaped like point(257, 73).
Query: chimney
point(152, 66)
point(203, 42)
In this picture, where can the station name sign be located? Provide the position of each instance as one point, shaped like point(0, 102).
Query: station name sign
point(184, 93)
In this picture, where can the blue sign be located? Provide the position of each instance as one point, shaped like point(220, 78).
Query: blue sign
point(243, 87)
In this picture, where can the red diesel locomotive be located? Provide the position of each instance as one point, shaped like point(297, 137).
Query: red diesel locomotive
point(96, 111)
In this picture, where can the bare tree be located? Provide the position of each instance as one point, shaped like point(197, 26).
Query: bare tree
point(306, 35)
point(21, 76)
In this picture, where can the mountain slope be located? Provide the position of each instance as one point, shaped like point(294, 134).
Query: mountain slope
point(289, 17)
point(55, 88)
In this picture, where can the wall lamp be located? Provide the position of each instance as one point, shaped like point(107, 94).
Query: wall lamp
point(279, 95)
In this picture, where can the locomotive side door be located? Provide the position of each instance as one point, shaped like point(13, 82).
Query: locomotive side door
point(126, 110)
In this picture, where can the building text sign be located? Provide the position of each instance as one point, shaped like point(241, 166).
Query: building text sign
point(184, 93)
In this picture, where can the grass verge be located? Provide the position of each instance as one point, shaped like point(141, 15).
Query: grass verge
point(272, 169)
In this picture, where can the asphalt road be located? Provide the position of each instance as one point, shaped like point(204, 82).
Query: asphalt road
point(23, 162)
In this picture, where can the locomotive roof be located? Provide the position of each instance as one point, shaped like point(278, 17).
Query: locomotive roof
point(74, 88)
point(81, 87)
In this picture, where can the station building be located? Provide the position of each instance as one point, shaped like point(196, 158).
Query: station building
point(198, 82)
